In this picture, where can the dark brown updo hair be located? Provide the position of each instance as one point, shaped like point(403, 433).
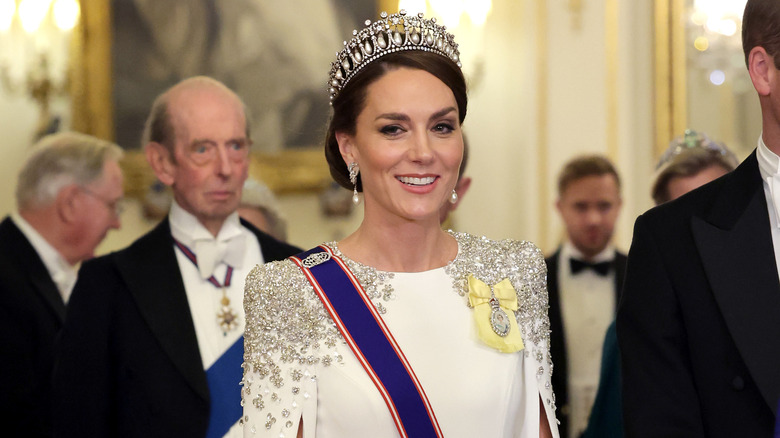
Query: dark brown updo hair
point(351, 99)
point(688, 163)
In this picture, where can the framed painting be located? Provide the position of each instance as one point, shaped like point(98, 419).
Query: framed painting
point(275, 55)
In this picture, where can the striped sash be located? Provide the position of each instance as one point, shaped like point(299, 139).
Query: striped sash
point(370, 340)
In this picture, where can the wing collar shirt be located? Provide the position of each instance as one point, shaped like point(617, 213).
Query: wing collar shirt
point(234, 245)
point(587, 308)
point(62, 273)
point(769, 166)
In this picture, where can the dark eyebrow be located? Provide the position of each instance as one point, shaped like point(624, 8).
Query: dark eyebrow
point(444, 112)
point(393, 116)
point(403, 117)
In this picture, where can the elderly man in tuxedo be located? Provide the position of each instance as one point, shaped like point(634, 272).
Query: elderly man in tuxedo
point(153, 340)
point(584, 278)
point(67, 195)
point(700, 316)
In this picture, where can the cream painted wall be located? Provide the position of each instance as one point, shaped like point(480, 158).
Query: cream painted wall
point(500, 126)
point(512, 196)
point(17, 122)
point(635, 158)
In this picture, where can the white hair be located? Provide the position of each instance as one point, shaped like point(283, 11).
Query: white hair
point(59, 160)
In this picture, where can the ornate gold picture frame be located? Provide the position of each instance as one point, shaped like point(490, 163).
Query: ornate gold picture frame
point(670, 105)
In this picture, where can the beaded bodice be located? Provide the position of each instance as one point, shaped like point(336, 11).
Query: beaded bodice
point(289, 334)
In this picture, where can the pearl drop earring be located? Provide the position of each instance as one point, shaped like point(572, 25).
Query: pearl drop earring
point(354, 170)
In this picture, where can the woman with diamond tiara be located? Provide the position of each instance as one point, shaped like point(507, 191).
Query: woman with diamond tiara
point(399, 329)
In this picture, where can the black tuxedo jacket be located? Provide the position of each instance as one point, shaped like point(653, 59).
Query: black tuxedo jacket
point(699, 323)
point(31, 315)
point(128, 362)
point(560, 375)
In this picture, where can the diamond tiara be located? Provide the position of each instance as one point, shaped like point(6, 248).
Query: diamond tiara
point(691, 140)
point(391, 33)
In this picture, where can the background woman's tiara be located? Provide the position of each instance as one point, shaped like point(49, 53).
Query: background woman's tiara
point(695, 140)
point(391, 33)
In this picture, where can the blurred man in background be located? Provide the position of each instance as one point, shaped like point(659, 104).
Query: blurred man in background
point(68, 195)
point(584, 278)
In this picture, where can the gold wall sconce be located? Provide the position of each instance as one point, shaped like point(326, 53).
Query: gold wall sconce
point(34, 52)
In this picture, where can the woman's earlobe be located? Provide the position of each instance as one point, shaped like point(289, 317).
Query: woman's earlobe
point(346, 147)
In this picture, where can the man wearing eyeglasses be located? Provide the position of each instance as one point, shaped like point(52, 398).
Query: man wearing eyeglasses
point(153, 342)
point(67, 194)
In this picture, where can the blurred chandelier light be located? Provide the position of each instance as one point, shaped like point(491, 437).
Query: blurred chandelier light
point(721, 16)
point(466, 19)
point(451, 12)
point(7, 9)
point(34, 42)
point(714, 31)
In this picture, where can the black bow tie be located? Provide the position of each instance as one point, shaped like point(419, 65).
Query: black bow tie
point(600, 268)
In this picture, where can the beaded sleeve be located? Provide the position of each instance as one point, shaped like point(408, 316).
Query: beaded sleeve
point(287, 334)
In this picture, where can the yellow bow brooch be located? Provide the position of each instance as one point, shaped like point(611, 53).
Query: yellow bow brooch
point(494, 313)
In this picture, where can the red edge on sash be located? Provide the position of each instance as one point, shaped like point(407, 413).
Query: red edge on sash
point(353, 346)
point(187, 252)
point(389, 335)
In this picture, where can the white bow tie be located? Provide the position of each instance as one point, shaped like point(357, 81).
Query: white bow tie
point(211, 253)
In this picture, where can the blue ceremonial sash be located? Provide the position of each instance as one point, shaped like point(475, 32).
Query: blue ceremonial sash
point(224, 377)
point(777, 421)
point(370, 340)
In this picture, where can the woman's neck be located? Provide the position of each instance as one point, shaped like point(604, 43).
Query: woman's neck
point(408, 247)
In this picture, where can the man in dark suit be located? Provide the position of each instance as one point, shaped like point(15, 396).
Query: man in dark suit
point(699, 320)
point(67, 193)
point(153, 340)
point(583, 279)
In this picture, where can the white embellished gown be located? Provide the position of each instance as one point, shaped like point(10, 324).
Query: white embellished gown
point(297, 365)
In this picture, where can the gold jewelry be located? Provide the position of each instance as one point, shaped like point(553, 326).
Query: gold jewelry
point(227, 319)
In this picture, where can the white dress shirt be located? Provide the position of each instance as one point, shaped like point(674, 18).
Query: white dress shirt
point(204, 298)
point(769, 166)
point(587, 309)
point(63, 273)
